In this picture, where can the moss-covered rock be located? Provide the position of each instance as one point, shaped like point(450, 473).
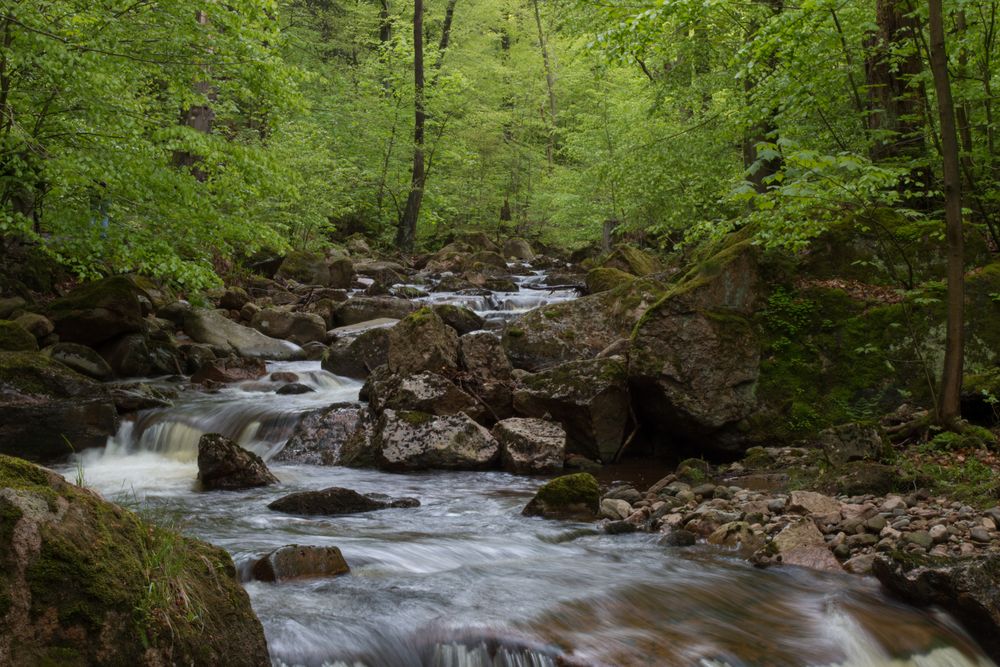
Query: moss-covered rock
point(517, 249)
point(98, 311)
point(458, 318)
point(85, 582)
point(576, 496)
point(414, 440)
point(357, 356)
point(630, 259)
point(48, 410)
point(605, 278)
point(578, 329)
point(15, 338)
point(309, 268)
point(422, 342)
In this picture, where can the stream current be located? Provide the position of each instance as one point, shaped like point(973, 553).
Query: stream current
point(465, 581)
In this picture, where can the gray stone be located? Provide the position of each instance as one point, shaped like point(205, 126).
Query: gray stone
point(224, 465)
point(212, 328)
point(407, 440)
point(532, 446)
point(294, 562)
point(338, 500)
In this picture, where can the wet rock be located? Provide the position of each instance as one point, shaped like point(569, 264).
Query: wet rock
point(298, 327)
point(293, 562)
point(422, 342)
point(337, 500)
point(460, 319)
point(409, 440)
point(969, 588)
point(320, 435)
point(614, 509)
point(861, 564)
point(980, 534)
point(364, 309)
point(305, 267)
point(294, 389)
point(530, 446)
point(679, 538)
point(224, 465)
point(81, 359)
point(74, 570)
point(488, 372)
point(589, 399)
point(423, 392)
point(128, 356)
point(737, 535)
point(98, 312)
point(813, 557)
point(695, 357)
point(212, 328)
point(230, 369)
point(572, 497)
point(619, 527)
point(358, 355)
point(139, 396)
point(517, 249)
point(850, 442)
point(15, 338)
point(48, 410)
point(798, 533)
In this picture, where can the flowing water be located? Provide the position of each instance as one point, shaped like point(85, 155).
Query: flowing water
point(465, 581)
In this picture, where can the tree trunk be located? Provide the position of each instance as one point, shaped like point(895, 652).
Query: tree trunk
point(199, 118)
point(949, 399)
point(758, 170)
point(550, 83)
point(407, 230)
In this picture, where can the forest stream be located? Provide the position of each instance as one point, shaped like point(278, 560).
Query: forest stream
point(466, 580)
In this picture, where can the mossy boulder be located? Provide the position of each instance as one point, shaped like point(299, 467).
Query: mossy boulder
point(309, 268)
point(15, 338)
point(422, 342)
point(364, 309)
point(573, 497)
point(98, 311)
point(630, 259)
point(578, 329)
point(85, 582)
point(589, 398)
point(341, 273)
point(516, 248)
point(81, 359)
point(605, 278)
point(424, 392)
point(695, 355)
point(488, 259)
point(458, 318)
point(48, 410)
point(357, 356)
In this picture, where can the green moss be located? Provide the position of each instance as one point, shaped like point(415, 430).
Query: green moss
point(514, 332)
point(631, 260)
point(114, 290)
point(415, 417)
point(15, 338)
point(606, 278)
point(580, 488)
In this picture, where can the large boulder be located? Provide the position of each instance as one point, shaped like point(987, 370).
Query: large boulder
point(458, 318)
point(37, 325)
point(422, 342)
point(589, 398)
point(531, 446)
point(128, 356)
point(224, 465)
point(337, 500)
point(574, 497)
point(309, 268)
point(606, 278)
point(969, 588)
point(487, 372)
point(366, 308)
point(320, 435)
point(341, 273)
point(98, 311)
point(15, 338)
point(297, 327)
point(695, 355)
point(293, 562)
point(48, 410)
point(424, 392)
point(577, 329)
point(85, 582)
point(212, 327)
point(409, 440)
point(358, 355)
point(81, 359)
point(229, 369)
point(517, 249)
point(630, 259)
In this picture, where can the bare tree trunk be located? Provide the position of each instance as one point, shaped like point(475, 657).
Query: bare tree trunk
point(407, 231)
point(199, 117)
point(949, 399)
point(550, 83)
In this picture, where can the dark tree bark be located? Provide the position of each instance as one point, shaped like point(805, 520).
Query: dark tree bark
point(199, 117)
point(407, 230)
point(949, 399)
point(758, 170)
point(550, 83)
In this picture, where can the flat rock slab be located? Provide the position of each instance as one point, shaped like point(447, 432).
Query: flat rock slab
point(355, 329)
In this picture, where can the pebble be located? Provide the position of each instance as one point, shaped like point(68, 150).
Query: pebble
point(979, 534)
point(938, 533)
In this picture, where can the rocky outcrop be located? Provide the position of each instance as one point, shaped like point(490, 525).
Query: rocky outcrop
point(98, 312)
point(48, 410)
point(573, 497)
point(296, 327)
point(487, 372)
point(577, 329)
point(320, 435)
point(294, 562)
point(224, 465)
point(530, 446)
point(422, 342)
point(77, 582)
point(589, 398)
point(695, 355)
point(338, 500)
point(213, 328)
point(968, 588)
point(409, 440)
point(423, 392)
